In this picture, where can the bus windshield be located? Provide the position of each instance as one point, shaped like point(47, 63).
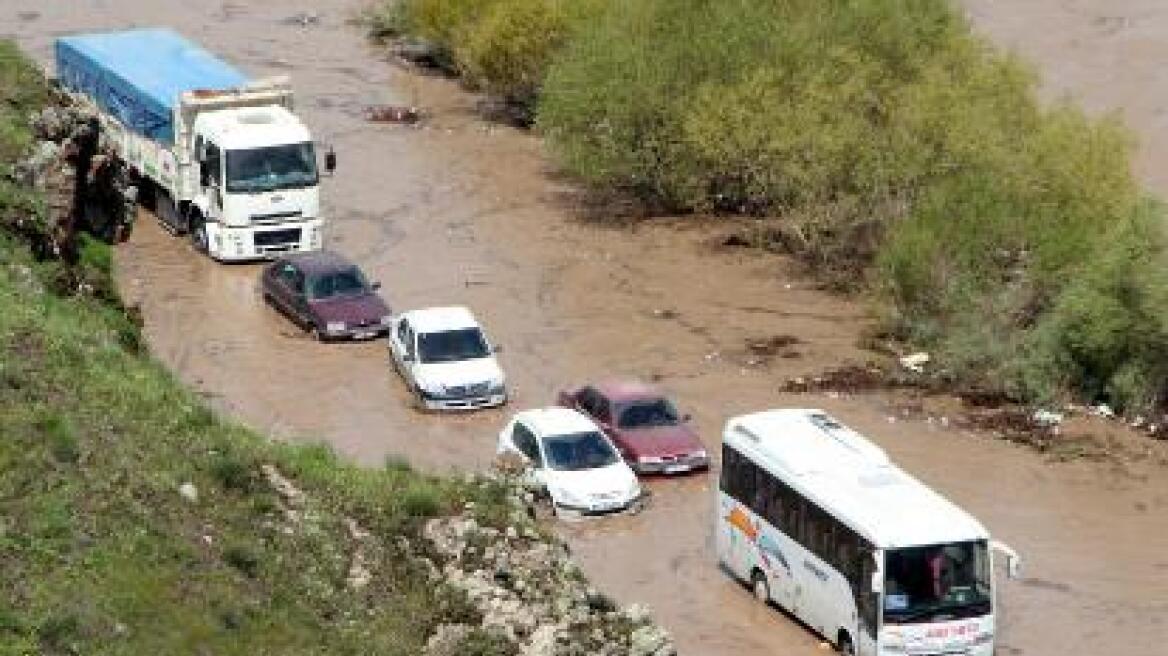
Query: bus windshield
point(936, 583)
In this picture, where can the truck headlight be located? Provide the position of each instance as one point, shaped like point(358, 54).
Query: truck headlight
point(498, 387)
point(387, 320)
point(335, 327)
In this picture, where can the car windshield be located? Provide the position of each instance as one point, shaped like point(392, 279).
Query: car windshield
point(936, 583)
point(344, 282)
point(577, 451)
point(271, 168)
point(452, 346)
point(647, 413)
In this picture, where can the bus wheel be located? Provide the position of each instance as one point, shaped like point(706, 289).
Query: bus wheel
point(762, 589)
point(845, 645)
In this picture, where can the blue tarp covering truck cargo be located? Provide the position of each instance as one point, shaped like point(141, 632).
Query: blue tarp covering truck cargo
point(138, 75)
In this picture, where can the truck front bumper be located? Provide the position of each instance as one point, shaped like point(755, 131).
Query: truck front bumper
point(233, 244)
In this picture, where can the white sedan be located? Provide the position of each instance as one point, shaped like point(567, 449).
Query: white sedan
point(446, 359)
point(572, 459)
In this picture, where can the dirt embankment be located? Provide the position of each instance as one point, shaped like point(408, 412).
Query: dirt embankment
point(456, 210)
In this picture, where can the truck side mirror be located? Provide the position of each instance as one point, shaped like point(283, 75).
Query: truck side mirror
point(330, 160)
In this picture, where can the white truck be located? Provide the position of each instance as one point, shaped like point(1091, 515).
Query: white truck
point(220, 157)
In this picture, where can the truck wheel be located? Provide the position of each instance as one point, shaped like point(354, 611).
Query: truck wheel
point(167, 213)
point(199, 234)
point(845, 645)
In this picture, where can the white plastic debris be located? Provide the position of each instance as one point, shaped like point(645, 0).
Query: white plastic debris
point(189, 492)
point(1047, 418)
point(915, 362)
point(1103, 410)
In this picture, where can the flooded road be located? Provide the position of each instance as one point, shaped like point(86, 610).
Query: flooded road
point(463, 212)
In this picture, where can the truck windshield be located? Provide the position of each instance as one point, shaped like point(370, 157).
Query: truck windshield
point(936, 583)
point(271, 168)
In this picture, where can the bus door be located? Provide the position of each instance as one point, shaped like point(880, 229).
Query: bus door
point(733, 535)
point(868, 602)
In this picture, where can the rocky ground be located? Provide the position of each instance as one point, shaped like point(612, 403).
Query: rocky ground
point(532, 594)
point(84, 186)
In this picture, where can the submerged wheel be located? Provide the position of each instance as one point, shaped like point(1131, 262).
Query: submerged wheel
point(199, 234)
point(760, 587)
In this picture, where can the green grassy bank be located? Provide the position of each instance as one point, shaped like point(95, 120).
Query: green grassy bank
point(879, 140)
point(99, 551)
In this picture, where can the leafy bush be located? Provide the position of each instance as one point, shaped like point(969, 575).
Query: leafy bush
point(885, 143)
point(503, 47)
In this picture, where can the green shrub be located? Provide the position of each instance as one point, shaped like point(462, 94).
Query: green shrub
point(482, 642)
point(421, 499)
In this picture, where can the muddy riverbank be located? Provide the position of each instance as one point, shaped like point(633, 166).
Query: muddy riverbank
point(459, 211)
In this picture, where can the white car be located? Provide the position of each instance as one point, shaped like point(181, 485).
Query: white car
point(573, 459)
point(446, 359)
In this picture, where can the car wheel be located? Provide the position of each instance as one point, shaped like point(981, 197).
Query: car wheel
point(760, 587)
point(845, 645)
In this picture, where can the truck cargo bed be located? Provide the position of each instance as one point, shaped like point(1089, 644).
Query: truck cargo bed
point(138, 75)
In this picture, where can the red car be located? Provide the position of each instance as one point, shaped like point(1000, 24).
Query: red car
point(643, 424)
point(325, 294)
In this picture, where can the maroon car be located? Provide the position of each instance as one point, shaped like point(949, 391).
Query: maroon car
point(645, 426)
point(325, 294)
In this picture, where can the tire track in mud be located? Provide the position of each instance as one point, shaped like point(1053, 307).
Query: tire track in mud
point(424, 209)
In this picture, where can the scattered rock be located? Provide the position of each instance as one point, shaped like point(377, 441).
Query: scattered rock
point(530, 591)
point(303, 19)
point(393, 114)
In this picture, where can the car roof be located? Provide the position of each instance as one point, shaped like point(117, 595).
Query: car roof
point(437, 319)
point(627, 390)
point(555, 421)
point(314, 262)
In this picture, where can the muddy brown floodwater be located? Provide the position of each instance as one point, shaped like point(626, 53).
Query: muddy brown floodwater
point(463, 212)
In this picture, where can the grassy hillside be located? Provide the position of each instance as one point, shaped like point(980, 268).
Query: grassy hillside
point(879, 140)
point(133, 520)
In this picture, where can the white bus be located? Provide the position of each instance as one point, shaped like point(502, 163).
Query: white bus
point(819, 521)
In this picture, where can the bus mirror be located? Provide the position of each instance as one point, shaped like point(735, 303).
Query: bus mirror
point(1013, 567)
point(1013, 562)
point(877, 582)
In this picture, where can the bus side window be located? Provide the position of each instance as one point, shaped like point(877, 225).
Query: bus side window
point(846, 548)
point(731, 472)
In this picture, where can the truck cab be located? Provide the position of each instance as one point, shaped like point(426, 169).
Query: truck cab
point(254, 183)
point(220, 156)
